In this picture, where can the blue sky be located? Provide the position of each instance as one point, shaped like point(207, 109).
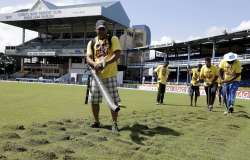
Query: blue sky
point(180, 19)
point(172, 19)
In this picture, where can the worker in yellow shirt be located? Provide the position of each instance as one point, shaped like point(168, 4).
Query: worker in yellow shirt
point(230, 73)
point(102, 55)
point(162, 73)
point(195, 86)
point(209, 74)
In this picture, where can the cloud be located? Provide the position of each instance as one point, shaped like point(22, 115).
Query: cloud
point(10, 9)
point(12, 36)
point(193, 38)
point(244, 25)
point(164, 40)
point(211, 31)
point(215, 30)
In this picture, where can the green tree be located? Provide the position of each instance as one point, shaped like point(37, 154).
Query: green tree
point(7, 64)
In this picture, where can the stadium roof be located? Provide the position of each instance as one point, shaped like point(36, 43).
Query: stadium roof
point(223, 38)
point(46, 11)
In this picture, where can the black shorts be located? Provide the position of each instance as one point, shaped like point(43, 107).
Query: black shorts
point(194, 89)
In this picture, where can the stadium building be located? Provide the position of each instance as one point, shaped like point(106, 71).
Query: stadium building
point(183, 55)
point(63, 33)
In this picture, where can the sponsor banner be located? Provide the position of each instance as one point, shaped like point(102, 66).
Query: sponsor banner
point(51, 14)
point(241, 94)
point(41, 53)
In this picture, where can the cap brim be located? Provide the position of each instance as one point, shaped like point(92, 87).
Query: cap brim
point(100, 26)
point(229, 60)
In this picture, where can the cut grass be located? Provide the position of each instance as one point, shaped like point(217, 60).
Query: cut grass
point(41, 121)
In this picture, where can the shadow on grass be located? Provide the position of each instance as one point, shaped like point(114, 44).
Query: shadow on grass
point(240, 106)
point(122, 106)
point(242, 114)
point(138, 132)
point(177, 105)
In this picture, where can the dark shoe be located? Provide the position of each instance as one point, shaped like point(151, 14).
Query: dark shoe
point(95, 125)
point(231, 109)
point(115, 129)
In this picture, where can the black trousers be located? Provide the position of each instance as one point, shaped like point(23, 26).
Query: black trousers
point(161, 92)
point(211, 93)
point(220, 93)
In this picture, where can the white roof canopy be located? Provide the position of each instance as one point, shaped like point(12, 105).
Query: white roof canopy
point(43, 10)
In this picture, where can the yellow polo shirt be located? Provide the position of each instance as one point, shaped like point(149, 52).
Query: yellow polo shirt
point(208, 74)
point(195, 77)
point(162, 73)
point(103, 45)
point(230, 70)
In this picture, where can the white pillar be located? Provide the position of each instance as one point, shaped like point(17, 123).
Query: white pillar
point(84, 39)
point(114, 29)
point(45, 60)
point(22, 61)
point(188, 65)
point(23, 40)
point(70, 64)
point(71, 31)
point(178, 74)
point(142, 63)
point(189, 53)
point(165, 59)
point(214, 49)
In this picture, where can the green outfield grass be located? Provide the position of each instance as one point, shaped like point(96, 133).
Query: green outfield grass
point(39, 121)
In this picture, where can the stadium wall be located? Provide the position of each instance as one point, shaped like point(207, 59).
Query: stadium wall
point(181, 89)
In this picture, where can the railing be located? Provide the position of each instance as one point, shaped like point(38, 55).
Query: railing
point(50, 66)
point(78, 66)
point(244, 59)
point(67, 47)
point(64, 78)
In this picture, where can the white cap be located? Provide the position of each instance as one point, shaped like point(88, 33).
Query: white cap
point(230, 56)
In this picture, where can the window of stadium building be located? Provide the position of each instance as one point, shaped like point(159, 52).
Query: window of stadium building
point(119, 33)
point(91, 34)
point(78, 35)
point(56, 35)
point(76, 60)
point(66, 35)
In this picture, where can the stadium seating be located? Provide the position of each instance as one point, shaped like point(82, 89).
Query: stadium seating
point(52, 44)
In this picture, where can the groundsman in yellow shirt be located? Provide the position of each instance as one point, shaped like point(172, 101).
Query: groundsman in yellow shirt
point(195, 86)
point(102, 55)
point(209, 74)
point(162, 73)
point(230, 73)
